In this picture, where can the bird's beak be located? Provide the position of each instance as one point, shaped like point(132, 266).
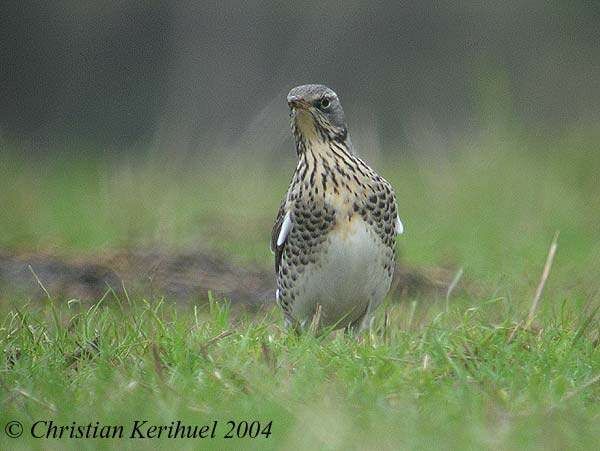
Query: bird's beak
point(297, 102)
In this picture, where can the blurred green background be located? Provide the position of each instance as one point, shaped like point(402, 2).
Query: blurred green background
point(145, 124)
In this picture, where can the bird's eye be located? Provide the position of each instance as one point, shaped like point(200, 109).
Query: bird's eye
point(325, 102)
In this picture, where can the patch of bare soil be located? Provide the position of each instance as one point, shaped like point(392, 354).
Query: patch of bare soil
point(181, 277)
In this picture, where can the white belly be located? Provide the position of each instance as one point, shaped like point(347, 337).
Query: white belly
point(349, 279)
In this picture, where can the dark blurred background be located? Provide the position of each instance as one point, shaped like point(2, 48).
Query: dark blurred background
point(190, 75)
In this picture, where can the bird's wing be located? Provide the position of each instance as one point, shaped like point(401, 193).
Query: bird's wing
point(281, 230)
point(398, 226)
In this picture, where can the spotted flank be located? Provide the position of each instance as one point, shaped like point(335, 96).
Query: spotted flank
point(334, 236)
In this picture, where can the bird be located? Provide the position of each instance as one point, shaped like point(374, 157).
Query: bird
point(335, 230)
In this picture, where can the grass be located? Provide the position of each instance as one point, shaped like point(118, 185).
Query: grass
point(457, 379)
point(427, 376)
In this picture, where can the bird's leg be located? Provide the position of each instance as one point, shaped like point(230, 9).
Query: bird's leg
point(362, 323)
point(291, 324)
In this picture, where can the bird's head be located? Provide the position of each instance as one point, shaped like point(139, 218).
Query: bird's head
point(316, 113)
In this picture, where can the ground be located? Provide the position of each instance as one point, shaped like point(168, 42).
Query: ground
point(455, 369)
